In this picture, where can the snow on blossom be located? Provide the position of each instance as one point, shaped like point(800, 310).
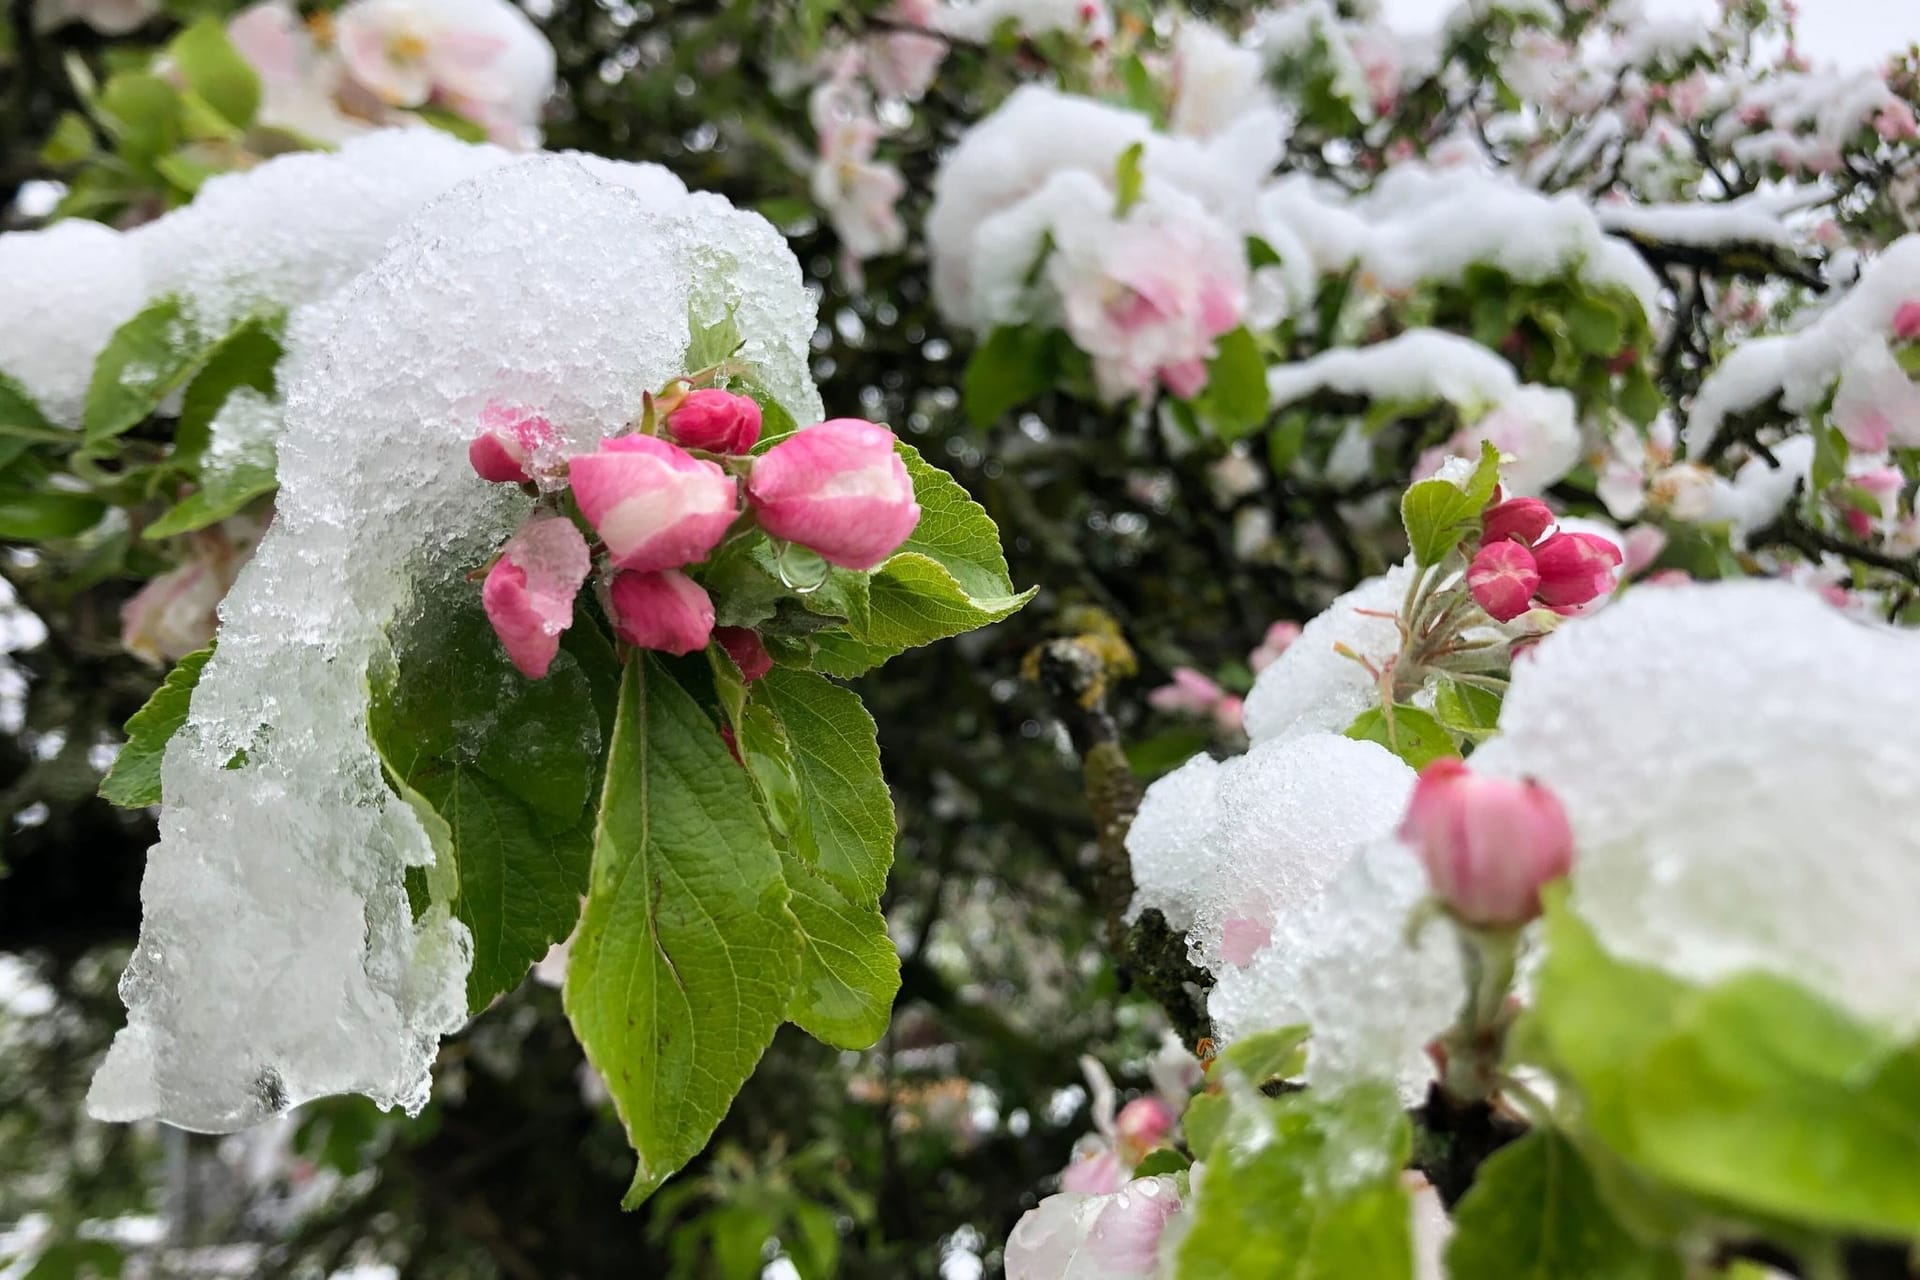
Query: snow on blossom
point(1077, 1236)
point(1536, 431)
point(1213, 80)
point(1876, 404)
point(64, 290)
point(176, 613)
point(1313, 688)
point(1801, 367)
point(1225, 849)
point(1418, 365)
point(534, 284)
point(1781, 839)
point(858, 193)
point(978, 227)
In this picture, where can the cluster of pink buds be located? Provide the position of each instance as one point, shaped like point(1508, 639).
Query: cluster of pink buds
point(660, 506)
point(1524, 561)
point(1489, 845)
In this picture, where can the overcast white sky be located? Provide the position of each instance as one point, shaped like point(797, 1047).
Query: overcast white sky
point(1849, 32)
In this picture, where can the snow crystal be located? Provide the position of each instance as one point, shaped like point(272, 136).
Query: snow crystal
point(1232, 847)
point(1312, 688)
point(1343, 964)
point(1777, 831)
point(1418, 365)
point(1801, 367)
point(64, 291)
point(278, 958)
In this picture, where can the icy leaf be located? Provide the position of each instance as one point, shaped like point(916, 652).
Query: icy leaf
point(148, 358)
point(1534, 1209)
point(686, 956)
point(134, 780)
point(1410, 733)
point(711, 344)
point(238, 465)
point(1302, 1187)
point(1752, 1091)
point(1439, 514)
point(1276, 1054)
point(249, 356)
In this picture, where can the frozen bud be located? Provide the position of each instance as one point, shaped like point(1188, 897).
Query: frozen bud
point(529, 591)
point(1503, 578)
point(655, 505)
point(1489, 844)
point(508, 437)
point(174, 614)
point(1906, 320)
point(838, 489)
point(717, 421)
point(1142, 1125)
point(1575, 568)
point(1523, 520)
point(744, 646)
point(666, 610)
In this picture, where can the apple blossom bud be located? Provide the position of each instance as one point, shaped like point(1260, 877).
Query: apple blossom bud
point(1906, 320)
point(1521, 520)
point(1645, 542)
point(655, 505)
point(1279, 638)
point(1575, 568)
point(744, 646)
point(665, 610)
point(508, 436)
point(1142, 1125)
point(528, 594)
point(717, 421)
point(1489, 845)
point(838, 489)
point(1189, 693)
point(1503, 579)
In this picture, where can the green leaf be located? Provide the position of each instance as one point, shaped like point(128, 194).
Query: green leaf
point(21, 417)
point(223, 490)
point(845, 829)
point(1640, 397)
point(1534, 1210)
point(1830, 451)
point(47, 515)
point(1596, 328)
point(949, 577)
point(451, 122)
point(1751, 1093)
point(1305, 1187)
point(711, 344)
point(1410, 733)
point(249, 356)
point(1466, 709)
point(215, 70)
point(507, 763)
point(1234, 401)
point(1128, 179)
point(1279, 1053)
point(686, 958)
point(134, 780)
point(1439, 514)
point(850, 971)
point(71, 142)
point(142, 111)
point(1014, 365)
point(147, 358)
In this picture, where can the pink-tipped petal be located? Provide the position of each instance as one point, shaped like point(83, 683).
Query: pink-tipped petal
point(665, 610)
point(528, 594)
point(1503, 578)
point(1489, 844)
point(717, 421)
point(1521, 520)
point(654, 505)
point(838, 489)
point(1575, 568)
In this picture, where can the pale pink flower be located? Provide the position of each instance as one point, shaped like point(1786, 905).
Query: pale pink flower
point(858, 194)
point(1074, 1236)
point(1188, 693)
point(402, 52)
point(529, 592)
point(177, 612)
point(1094, 1169)
point(1645, 542)
point(839, 489)
point(1489, 844)
point(1279, 638)
point(1896, 123)
point(1877, 404)
point(901, 64)
point(666, 611)
point(655, 505)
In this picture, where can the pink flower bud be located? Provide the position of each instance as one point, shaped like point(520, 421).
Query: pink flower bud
point(717, 421)
point(1906, 320)
point(1279, 638)
point(528, 594)
point(1188, 693)
point(1230, 714)
point(666, 610)
point(508, 436)
point(1645, 542)
point(655, 505)
point(1575, 568)
point(744, 646)
point(1503, 579)
point(1521, 520)
point(1489, 845)
point(838, 489)
point(1142, 1125)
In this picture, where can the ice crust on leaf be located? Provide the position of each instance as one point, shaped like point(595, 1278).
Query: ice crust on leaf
point(1234, 847)
point(64, 291)
point(1344, 965)
point(1313, 688)
point(278, 959)
point(1783, 837)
